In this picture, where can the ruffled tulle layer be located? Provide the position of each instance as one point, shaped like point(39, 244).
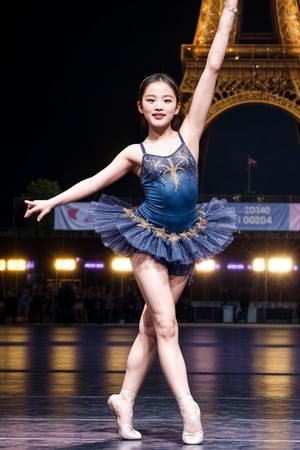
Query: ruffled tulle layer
point(124, 232)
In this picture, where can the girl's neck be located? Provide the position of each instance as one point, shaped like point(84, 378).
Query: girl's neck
point(154, 137)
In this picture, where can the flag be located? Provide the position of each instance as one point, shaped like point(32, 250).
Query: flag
point(251, 162)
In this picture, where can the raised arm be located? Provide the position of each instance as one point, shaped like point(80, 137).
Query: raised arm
point(195, 120)
point(120, 165)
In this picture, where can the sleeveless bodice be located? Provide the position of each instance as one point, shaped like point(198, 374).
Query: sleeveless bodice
point(169, 225)
point(170, 185)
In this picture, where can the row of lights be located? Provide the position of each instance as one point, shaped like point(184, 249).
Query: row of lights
point(67, 264)
point(282, 265)
point(278, 264)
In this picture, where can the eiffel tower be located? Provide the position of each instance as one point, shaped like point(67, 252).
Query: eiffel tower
point(262, 62)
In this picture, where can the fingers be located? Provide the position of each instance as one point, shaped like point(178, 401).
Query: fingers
point(40, 216)
point(31, 209)
point(37, 206)
point(28, 213)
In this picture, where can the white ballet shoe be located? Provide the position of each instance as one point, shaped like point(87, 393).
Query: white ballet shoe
point(192, 438)
point(191, 415)
point(122, 409)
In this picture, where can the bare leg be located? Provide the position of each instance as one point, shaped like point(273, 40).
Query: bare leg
point(158, 328)
point(144, 347)
point(139, 360)
point(155, 286)
point(141, 354)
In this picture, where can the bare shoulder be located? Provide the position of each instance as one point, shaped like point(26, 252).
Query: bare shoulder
point(133, 155)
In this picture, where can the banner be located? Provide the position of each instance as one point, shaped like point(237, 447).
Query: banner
point(251, 216)
point(263, 216)
point(73, 216)
point(294, 217)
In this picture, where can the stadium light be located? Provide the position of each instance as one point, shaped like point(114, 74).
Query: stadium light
point(259, 265)
point(121, 265)
point(206, 266)
point(281, 265)
point(16, 265)
point(274, 265)
point(68, 264)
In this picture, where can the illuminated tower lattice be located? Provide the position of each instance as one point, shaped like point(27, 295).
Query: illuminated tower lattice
point(262, 63)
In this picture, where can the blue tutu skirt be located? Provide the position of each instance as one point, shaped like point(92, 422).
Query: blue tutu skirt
point(124, 232)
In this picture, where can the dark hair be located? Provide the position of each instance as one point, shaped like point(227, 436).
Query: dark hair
point(177, 120)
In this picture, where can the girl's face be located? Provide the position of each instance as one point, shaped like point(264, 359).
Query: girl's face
point(159, 104)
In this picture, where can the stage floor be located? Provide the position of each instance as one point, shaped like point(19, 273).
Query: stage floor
point(55, 380)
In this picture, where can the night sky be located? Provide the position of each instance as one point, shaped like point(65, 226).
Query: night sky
point(70, 75)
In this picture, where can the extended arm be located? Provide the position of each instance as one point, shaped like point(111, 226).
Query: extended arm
point(121, 165)
point(203, 94)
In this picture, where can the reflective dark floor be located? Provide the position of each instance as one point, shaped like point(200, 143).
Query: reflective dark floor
point(54, 382)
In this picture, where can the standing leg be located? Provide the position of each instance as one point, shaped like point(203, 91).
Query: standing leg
point(138, 363)
point(155, 285)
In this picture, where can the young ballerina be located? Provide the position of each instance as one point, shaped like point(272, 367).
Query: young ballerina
point(167, 234)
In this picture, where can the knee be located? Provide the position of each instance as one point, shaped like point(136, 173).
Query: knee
point(167, 329)
point(147, 332)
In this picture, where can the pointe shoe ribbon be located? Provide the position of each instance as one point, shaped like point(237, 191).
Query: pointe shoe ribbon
point(123, 413)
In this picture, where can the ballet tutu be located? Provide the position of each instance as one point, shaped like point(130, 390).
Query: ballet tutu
point(125, 232)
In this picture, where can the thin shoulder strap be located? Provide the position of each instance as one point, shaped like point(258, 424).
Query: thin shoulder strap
point(181, 138)
point(143, 148)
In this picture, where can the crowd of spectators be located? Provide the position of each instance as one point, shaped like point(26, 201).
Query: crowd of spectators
point(73, 304)
point(67, 304)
